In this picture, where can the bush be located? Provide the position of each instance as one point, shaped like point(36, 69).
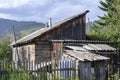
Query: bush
point(17, 75)
point(115, 77)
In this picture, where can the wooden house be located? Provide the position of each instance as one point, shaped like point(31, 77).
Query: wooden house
point(38, 44)
point(59, 40)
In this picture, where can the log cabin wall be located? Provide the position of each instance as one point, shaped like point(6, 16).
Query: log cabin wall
point(71, 30)
point(57, 50)
point(26, 52)
point(31, 52)
point(43, 50)
point(20, 52)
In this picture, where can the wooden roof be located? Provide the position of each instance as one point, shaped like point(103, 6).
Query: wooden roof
point(47, 29)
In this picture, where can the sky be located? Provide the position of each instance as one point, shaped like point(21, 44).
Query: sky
point(42, 10)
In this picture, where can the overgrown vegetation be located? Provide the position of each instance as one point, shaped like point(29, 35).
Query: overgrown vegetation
point(108, 27)
point(5, 50)
point(115, 77)
point(17, 75)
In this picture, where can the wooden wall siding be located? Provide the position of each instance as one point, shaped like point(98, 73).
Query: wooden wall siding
point(32, 52)
point(84, 27)
point(72, 30)
point(14, 55)
point(100, 70)
point(57, 50)
point(84, 71)
point(23, 53)
point(43, 50)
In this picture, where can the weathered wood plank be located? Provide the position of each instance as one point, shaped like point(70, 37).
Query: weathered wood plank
point(100, 70)
point(43, 50)
point(71, 30)
point(84, 71)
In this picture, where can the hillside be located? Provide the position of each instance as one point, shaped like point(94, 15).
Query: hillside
point(6, 26)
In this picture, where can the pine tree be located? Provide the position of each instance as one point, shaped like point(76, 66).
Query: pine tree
point(107, 7)
point(108, 27)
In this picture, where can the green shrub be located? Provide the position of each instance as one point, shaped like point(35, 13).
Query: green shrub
point(115, 77)
point(17, 75)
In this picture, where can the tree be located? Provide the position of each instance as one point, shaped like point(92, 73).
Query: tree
point(5, 50)
point(108, 27)
point(107, 7)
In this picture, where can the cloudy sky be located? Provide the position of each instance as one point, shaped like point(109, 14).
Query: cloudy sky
point(41, 10)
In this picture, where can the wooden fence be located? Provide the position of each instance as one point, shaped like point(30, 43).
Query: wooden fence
point(41, 70)
point(38, 70)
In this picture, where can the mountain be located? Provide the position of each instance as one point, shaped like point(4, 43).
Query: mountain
point(6, 25)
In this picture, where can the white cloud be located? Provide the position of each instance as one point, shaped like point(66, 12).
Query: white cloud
point(64, 10)
point(4, 5)
point(12, 3)
point(32, 18)
point(21, 3)
point(41, 10)
point(38, 3)
point(17, 3)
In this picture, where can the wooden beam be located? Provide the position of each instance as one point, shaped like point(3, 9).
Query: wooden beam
point(108, 67)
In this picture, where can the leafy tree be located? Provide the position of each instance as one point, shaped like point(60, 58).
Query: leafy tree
point(5, 50)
